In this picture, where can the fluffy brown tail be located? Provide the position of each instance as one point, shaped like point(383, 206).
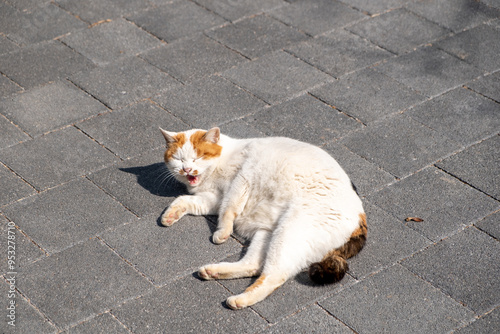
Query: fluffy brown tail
point(334, 265)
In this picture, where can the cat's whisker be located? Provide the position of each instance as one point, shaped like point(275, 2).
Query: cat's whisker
point(164, 178)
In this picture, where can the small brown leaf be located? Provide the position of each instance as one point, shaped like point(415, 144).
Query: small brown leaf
point(414, 219)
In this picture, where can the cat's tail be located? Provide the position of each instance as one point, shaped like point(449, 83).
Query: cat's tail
point(334, 265)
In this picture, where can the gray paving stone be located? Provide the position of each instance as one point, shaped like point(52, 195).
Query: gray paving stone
point(400, 145)
point(41, 63)
point(366, 176)
point(429, 71)
point(6, 45)
point(461, 115)
point(488, 86)
point(398, 31)
point(110, 41)
point(490, 323)
point(193, 58)
point(240, 129)
point(7, 86)
point(103, 323)
point(256, 36)
point(25, 250)
point(374, 7)
point(9, 133)
point(399, 302)
point(469, 274)
point(10, 19)
point(479, 46)
point(261, 77)
point(456, 15)
point(368, 95)
point(339, 52)
point(80, 282)
point(28, 319)
point(318, 16)
point(27, 5)
point(303, 118)
point(13, 187)
point(175, 20)
point(77, 210)
point(478, 165)
point(209, 102)
point(443, 202)
point(45, 22)
point(233, 10)
point(187, 305)
point(56, 158)
point(124, 82)
point(490, 225)
point(388, 242)
point(50, 107)
point(132, 130)
point(169, 253)
point(313, 319)
point(93, 11)
point(141, 184)
point(35, 23)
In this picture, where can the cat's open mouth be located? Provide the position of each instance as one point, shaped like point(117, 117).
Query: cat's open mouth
point(193, 179)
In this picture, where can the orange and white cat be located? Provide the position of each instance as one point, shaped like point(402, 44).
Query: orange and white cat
point(292, 199)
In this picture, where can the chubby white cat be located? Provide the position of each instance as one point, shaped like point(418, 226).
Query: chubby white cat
point(292, 199)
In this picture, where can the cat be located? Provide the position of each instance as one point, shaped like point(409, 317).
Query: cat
point(292, 199)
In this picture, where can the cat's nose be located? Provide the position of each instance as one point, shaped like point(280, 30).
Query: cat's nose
point(187, 169)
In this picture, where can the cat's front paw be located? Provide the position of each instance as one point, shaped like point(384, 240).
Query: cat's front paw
point(173, 214)
point(220, 236)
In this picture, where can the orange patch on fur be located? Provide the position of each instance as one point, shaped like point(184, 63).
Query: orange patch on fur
point(256, 284)
point(180, 140)
point(204, 148)
point(362, 229)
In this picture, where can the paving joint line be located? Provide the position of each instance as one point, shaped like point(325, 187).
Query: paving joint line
point(90, 94)
point(113, 197)
point(466, 183)
point(143, 275)
point(37, 309)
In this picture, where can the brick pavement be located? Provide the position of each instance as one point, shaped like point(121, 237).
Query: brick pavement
point(404, 93)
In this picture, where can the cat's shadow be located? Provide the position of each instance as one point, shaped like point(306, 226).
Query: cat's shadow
point(155, 179)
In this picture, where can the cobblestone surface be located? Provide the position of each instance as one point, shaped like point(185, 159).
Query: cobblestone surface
point(403, 93)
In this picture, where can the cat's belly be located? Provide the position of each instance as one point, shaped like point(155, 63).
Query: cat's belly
point(259, 214)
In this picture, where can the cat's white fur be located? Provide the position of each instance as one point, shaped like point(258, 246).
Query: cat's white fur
point(291, 198)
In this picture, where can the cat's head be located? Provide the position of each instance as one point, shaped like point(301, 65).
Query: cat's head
point(191, 154)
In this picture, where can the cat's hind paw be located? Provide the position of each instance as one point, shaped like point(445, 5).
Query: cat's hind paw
point(172, 215)
point(206, 274)
point(236, 302)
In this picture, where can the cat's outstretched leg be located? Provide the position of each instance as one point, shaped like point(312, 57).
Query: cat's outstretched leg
point(288, 252)
point(275, 273)
point(232, 205)
point(250, 265)
point(200, 204)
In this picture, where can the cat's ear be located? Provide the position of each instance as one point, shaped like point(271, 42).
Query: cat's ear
point(212, 135)
point(169, 136)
